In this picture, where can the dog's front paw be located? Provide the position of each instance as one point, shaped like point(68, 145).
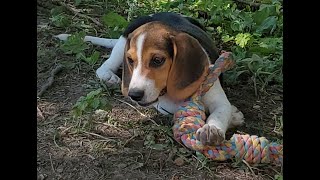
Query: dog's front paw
point(108, 76)
point(237, 118)
point(210, 135)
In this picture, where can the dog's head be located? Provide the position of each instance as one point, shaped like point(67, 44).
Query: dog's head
point(158, 58)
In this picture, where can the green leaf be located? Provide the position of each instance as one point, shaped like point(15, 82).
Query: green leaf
point(237, 25)
point(113, 20)
point(80, 55)
point(57, 10)
point(219, 29)
point(268, 25)
point(266, 46)
point(264, 12)
point(92, 101)
point(94, 57)
point(242, 39)
point(238, 52)
point(95, 103)
point(278, 177)
point(94, 93)
point(83, 105)
point(270, 43)
point(77, 2)
point(247, 19)
point(75, 44)
point(60, 20)
point(226, 38)
point(216, 19)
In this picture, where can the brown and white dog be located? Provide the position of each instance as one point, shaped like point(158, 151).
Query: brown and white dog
point(165, 57)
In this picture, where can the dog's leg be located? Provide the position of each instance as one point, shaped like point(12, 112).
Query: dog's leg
point(222, 115)
point(108, 43)
point(107, 70)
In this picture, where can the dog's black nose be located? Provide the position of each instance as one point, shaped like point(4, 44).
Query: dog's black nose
point(136, 94)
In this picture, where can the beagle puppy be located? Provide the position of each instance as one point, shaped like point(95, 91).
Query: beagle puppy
point(165, 57)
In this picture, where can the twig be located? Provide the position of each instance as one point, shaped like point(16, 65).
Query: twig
point(39, 114)
point(202, 164)
point(132, 137)
point(147, 157)
point(137, 111)
point(94, 134)
point(50, 79)
point(245, 162)
point(131, 106)
point(54, 141)
point(51, 163)
point(77, 12)
point(249, 3)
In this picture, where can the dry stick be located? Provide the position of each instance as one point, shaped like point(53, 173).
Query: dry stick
point(94, 134)
point(132, 137)
point(77, 12)
point(39, 113)
point(50, 79)
point(137, 111)
point(51, 163)
point(245, 162)
point(147, 157)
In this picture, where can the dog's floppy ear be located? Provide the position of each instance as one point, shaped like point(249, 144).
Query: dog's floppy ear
point(126, 71)
point(189, 67)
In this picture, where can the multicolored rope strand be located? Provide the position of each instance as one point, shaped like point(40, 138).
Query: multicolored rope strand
point(191, 116)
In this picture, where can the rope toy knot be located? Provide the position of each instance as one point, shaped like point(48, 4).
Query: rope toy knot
point(191, 116)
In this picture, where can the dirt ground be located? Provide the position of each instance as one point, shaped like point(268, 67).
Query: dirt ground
point(114, 145)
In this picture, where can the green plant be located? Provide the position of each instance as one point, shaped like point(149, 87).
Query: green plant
point(76, 45)
point(59, 18)
point(92, 101)
point(115, 23)
point(278, 177)
point(158, 137)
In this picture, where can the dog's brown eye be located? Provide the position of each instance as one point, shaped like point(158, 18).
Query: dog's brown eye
point(130, 61)
point(157, 61)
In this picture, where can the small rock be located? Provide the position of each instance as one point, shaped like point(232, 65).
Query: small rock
point(277, 98)
point(59, 169)
point(179, 161)
point(122, 166)
point(42, 177)
point(241, 171)
point(256, 107)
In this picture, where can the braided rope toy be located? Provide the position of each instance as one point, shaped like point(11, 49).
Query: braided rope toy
point(191, 116)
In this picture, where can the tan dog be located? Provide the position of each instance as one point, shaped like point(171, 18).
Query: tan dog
point(165, 58)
